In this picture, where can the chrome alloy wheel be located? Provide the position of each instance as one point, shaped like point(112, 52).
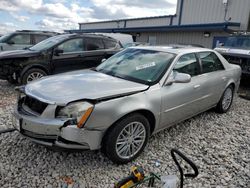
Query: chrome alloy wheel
point(34, 76)
point(130, 140)
point(227, 98)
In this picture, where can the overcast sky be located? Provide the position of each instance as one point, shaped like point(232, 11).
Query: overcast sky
point(58, 15)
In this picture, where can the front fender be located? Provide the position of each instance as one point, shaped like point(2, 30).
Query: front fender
point(106, 113)
point(44, 67)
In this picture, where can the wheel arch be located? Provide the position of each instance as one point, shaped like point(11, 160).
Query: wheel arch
point(146, 113)
point(39, 66)
point(231, 83)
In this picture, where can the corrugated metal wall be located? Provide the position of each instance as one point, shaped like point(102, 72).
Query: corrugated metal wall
point(181, 37)
point(149, 22)
point(193, 12)
point(98, 25)
point(212, 11)
point(129, 23)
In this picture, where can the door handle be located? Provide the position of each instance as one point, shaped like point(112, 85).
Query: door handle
point(224, 78)
point(197, 86)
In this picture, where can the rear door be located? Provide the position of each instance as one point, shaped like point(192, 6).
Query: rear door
point(71, 56)
point(36, 38)
point(94, 52)
point(111, 47)
point(213, 72)
point(182, 100)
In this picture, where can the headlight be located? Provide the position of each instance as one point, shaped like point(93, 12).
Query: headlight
point(79, 110)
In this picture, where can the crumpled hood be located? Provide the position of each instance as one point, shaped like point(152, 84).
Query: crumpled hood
point(17, 54)
point(84, 84)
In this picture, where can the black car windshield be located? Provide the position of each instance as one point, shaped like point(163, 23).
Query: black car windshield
point(4, 38)
point(138, 65)
point(48, 43)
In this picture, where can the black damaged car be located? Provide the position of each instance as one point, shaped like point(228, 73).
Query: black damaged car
point(57, 54)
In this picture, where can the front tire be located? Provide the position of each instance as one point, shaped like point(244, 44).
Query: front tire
point(32, 74)
point(127, 138)
point(226, 100)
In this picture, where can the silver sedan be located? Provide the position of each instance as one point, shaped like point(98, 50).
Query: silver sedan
point(132, 95)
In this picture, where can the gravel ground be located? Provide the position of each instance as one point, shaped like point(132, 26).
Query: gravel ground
point(218, 144)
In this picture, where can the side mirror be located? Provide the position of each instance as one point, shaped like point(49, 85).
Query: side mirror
point(103, 60)
point(179, 78)
point(57, 52)
point(10, 42)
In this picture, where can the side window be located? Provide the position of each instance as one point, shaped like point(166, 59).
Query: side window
point(94, 44)
point(73, 45)
point(188, 64)
point(39, 38)
point(210, 62)
point(20, 39)
point(110, 44)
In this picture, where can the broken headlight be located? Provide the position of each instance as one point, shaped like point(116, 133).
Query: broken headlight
point(80, 111)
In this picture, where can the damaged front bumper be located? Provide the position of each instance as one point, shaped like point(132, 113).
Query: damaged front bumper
point(55, 133)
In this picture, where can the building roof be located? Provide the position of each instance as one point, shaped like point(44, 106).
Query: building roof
point(189, 27)
point(129, 19)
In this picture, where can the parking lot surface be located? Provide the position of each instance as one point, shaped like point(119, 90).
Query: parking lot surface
point(218, 143)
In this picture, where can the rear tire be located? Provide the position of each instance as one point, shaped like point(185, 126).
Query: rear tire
point(126, 139)
point(226, 100)
point(32, 74)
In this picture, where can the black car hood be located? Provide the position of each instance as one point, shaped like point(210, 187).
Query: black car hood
point(18, 54)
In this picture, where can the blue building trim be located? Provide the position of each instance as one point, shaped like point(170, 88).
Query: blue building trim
point(190, 27)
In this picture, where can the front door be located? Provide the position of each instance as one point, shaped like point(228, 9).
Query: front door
point(182, 100)
point(71, 56)
point(18, 42)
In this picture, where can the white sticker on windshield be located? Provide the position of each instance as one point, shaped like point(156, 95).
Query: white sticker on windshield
point(145, 66)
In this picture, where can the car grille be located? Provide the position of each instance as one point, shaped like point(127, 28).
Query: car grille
point(244, 62)
point(34, 104)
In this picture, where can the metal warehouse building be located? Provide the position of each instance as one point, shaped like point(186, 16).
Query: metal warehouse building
point(204, 22)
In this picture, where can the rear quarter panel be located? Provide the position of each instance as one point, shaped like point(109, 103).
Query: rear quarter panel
point(232, 72)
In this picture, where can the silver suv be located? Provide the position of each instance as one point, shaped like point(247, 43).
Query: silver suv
point(23, 39)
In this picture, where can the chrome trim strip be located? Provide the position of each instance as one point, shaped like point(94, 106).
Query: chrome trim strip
point(205, 96)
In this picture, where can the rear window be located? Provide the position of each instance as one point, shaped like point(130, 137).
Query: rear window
point(93, 44)
point(39, 38)
point(110, 44)
point(210, 62)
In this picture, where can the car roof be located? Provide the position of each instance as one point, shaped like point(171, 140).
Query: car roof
point(36, 32)
point(90, 35)
point(173, 49)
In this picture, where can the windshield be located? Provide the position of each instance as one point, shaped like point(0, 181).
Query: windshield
point(48, 43)
point(139, 65)
point(238, 42)
point(4, 38)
